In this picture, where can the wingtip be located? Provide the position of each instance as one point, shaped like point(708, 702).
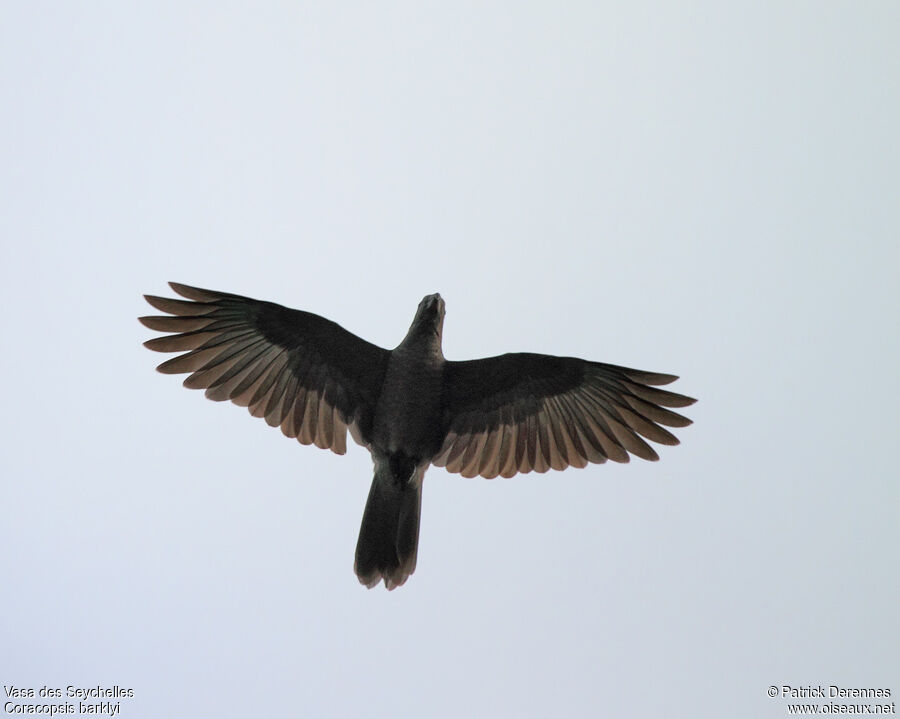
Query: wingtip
point(158, 303)
point(182, 289)
point(156, 322)
point(659, 378)
point(197, 294)
point(648, 378)
point(152, 300)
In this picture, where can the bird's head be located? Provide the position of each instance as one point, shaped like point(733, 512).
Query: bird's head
point(431, 309)
point(429, 318)
point(432, 303)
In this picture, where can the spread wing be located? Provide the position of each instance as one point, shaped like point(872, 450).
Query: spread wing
point(523, 412)
point(298, 370)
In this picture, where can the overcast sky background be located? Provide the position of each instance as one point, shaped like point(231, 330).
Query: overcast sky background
point(708, 189)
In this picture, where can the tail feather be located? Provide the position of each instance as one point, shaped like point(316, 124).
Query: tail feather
point(389, 534)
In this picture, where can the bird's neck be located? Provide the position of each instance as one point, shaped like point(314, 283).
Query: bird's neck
point(422, 342)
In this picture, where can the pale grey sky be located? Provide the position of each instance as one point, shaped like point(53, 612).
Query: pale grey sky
point(708, 189)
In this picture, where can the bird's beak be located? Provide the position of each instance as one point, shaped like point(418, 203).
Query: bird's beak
point(435, 300)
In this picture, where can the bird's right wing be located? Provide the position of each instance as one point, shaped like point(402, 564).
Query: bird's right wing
point(530, 412)
point(296, 369)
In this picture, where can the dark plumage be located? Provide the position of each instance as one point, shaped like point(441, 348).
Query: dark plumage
point(409, 406)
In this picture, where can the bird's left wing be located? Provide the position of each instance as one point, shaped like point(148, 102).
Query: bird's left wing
point(296, 369)
point(530, 412)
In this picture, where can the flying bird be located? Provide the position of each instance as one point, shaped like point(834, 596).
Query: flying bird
point(410, 407)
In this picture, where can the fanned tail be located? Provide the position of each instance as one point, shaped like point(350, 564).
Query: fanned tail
point(389, 535)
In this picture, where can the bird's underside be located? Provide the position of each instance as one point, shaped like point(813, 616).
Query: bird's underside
point(411, 408)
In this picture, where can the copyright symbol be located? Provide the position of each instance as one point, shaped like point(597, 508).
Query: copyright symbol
point(772, 692)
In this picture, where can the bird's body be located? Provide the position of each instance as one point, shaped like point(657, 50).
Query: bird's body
point(409, 407)
point(405, 437)
point(408, 413)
